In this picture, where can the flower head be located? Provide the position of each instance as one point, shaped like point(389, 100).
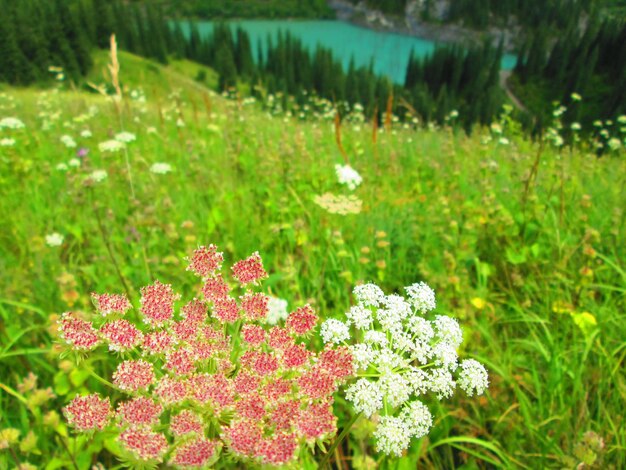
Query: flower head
point(79, 334)
point(88, 412)
point(250, 269)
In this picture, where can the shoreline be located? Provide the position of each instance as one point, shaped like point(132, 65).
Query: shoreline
point(367, 18)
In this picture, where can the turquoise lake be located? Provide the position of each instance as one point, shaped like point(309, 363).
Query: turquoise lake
point(390, 51)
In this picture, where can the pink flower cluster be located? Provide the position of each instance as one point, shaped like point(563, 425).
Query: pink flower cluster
point(213, 375)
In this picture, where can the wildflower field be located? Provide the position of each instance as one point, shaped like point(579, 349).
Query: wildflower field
point(191, 280)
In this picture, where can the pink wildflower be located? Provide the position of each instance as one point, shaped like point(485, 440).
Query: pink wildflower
point(253, 334)
point(317, 421)
point(277, 388)
point(246, 383)
point(131, 376)
point(212, 388)
point(226, 310)
point(186, 422)
point(121, 334)
point(248, 359)
point(338, 362)
point(279, 338)
point(265, 363)
point(251, 407)
point(316, 383)
point(140, 411)
point(157, 302)
point(180, 362)
point(194, 311)
point(201, 350)
point(243, 437)
point(205, 261)
point(250, 269)
point(278, 449)
point(146, 445)
point(255, 305)
point(170, 391)
point(107, 304)
point(285, 414)
point(215, 288)
point(157, 342)
point(195, 453)
point(295, 356)
point(185, 330)
point(80, 334)
point(302, 320)
point(88, 412)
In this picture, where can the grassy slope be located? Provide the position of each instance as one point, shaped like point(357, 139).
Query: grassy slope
point(452, 209)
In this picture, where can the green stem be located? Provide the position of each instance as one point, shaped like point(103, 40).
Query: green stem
point(338, 440)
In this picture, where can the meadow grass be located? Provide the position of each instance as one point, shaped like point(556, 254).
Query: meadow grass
point(523, 242)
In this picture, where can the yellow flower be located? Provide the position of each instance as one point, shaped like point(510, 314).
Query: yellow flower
point(478, 303)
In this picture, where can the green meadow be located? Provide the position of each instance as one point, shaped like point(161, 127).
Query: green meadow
point(522, 241)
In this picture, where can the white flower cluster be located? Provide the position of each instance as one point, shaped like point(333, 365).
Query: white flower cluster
point(402, 356)
point(276, 310)
point(160, 168)
point(68, 141)
point(348, 176)
point(11, 123)
point(125, 137)
point(111, 146)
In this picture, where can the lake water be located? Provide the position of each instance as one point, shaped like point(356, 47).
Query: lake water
point(390, 51)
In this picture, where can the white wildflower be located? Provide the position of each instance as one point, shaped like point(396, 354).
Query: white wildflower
point(125, 137)
point(348, 176)
point(54, 239)
point(62, 167)
point(362, 355)
point(334, 331)
point(376, 337)
point(387, 360)
point(85, 134)
point(392, 435)
point(420, 328)
point(365, 396)
point(441, 383)
point(68, 141)
point(360, 317)
point(11, 123)
point(473, 377)
point(614, 143)
point(180, 122)
point(7, 142)
point(418, 379)
point(445, 355)
point(368, 295)
point(396, 388)
point(160, 168)
point(111, 146)
point(418, 418)
point(422, 296)
point(276, 310)
point(448, 330)
point(74, 162)
point(98, 176)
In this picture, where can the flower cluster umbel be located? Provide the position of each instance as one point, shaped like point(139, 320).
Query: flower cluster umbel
point(401, 356)
point(211, 378)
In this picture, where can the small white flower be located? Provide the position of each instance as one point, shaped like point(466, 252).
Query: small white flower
point(111, 146)
point(151, 130)
point(7, 142)
point(418, 418)
point(396, 388)
point(368, 295)
point(362, 355)
point(418, 379)
point(74, 162)
point(125, 137)
point(360, 317)
point(62, 167)
point(420, 328)
point(68, 141)
point(422, 296)
point(54, 239)
point(614, 144)
point(442, 383)
point(11, 123)
point(334, 331)
point(375, 337)
point(276, 310)
point(160, 168)
point(448, 330)
point(392, 435)
point(85, 134)
point(348, 176)
point(445, 355)
point(98, 176)
point(387, 360)
point(180, 122)
point(365, 396)
point(473, 377)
